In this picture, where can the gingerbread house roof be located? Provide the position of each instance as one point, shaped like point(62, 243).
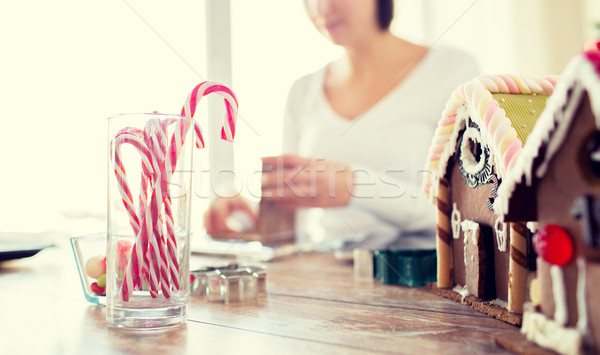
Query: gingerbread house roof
point(581, 74)
point(504, 107)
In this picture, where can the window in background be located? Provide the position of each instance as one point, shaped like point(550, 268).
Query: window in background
point(273, 44)
point(535, 37)
point(63, 73)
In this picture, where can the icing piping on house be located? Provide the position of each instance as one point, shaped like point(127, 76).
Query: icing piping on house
point(501, 231)
point(500, 303)
point(549, 334)
point(462, 291)
point(455, 220)
point(582, 319)
point(559, 292)
point(532, 226)
point(561, 131)
point(473, 227)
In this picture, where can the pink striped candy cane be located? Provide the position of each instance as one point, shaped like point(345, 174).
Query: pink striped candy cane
point(156, 137)
point(231, 105)
point(139, 249)
point(148, 227)
point(157, 252)
point(151, 273)
point(143, 199)
point(158, 258)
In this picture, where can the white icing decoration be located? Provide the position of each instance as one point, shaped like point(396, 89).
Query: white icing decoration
point(468, 226)
point(532, 226)
point(455, 221)
point(471, 164)
point(556, 140)
point(580, 76)
point(499, 302)
point(501, 231)
point(473, 227)
point(549, 334)
point(559, 292)
point(462, 290)
point(582, 319)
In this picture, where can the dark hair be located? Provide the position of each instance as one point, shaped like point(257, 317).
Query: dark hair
point(385, 13)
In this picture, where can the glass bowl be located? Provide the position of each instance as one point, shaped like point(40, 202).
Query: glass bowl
point(85, 248)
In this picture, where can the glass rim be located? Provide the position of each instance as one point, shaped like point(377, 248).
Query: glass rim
point(145, 114)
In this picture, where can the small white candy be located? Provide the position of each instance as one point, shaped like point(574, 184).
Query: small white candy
point(94, 267)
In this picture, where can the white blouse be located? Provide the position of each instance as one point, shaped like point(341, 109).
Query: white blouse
point(386, 147)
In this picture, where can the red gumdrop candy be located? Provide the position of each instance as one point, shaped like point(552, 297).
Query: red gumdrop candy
point(103, 263)
point(100, 291)
point(554, 245)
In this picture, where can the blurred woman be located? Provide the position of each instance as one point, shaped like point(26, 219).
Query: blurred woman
point(356, 132)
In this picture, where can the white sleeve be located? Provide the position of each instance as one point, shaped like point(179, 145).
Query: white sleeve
point(394, 200)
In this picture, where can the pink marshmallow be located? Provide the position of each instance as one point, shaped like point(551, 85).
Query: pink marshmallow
point(513, 88)
point(489, 111)
point(512, 149)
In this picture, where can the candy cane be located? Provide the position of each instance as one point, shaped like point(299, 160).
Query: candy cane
point(156, 139)
point(156, 262)
point(159, 260)
point(140, 252)
point(127, 136)
point(174, 149)
point(130, 272)
point(156, 252)
point(231, 105)
point(139, 248)
point(143, 202)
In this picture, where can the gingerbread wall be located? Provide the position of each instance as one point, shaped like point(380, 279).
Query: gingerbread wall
point(567, 179)
point(471, 202)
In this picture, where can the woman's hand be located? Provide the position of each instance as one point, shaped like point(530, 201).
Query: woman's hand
point(292, 181)
point(215, 218)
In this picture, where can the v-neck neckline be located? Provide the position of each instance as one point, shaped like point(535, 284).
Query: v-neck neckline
point(380, 102)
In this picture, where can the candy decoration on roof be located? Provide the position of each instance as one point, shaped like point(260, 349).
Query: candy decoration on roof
point(505, 143)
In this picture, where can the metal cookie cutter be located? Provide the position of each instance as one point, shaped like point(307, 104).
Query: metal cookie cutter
point(229, 284)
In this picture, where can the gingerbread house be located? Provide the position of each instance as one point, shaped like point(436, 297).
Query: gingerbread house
point(556, 181)
point(482, 261)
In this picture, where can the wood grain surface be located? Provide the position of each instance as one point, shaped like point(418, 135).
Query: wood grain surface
point(313, 305)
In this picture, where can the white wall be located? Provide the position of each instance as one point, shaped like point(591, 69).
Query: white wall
point(66, 65)
point(533, 37)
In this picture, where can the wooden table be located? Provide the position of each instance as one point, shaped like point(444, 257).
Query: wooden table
point(313, 305)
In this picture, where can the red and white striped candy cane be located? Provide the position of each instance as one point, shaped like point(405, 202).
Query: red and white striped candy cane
point(152, 274)
point(231, 105)
point(156, 137)
point(130, 137)
point(161, 253)
point(146, 176)
point(177, 142)
point(157, 253)
point(133, 276)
